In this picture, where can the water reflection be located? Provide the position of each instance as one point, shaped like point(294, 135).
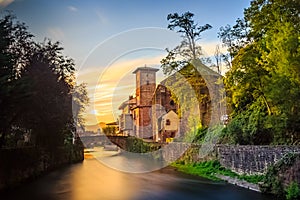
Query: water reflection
point(91, 180)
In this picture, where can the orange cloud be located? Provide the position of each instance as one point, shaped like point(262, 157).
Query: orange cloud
point(109, 87)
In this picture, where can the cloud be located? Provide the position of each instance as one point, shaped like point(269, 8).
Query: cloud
point(72, 8)
point(109, 86)
point(4, 3)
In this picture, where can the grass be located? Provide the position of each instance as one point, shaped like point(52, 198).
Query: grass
point(209, 169)
point(252, 178)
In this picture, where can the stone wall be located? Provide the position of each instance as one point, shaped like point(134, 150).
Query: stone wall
point(290, 172)
point(185, 153)
point(23, 164)
point(242, 159)
point(238, 158)
point(251, 159)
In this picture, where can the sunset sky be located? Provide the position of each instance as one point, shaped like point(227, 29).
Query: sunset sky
point(109, 39)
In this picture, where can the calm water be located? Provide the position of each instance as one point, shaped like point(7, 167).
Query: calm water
point(91, 180)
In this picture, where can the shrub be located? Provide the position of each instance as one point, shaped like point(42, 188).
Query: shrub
point(292, 191)
point(272, 182)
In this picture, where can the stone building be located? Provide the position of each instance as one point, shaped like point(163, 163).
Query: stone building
point(164, 114)
point(141, 114)
point(167, 127)
point(153, 114)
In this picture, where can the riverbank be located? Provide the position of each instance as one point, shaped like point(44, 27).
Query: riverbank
point(92, 179)
point(214, 171)
point(21, 165)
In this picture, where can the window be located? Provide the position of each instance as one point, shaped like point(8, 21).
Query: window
point(147, 82)
point(172, 134)
point(168, 122)
point(172, 103)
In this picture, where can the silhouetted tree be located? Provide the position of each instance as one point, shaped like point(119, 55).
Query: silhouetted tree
point(37, 83)
point(15, 45)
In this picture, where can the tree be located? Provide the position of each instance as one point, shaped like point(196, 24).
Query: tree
point(15, 45)
point(234, 38)
point(265, 73)
point(37, 83)
point(80, 101)
point(110, 130)
point(187, 85)
point(48, 106)
point(188, 49)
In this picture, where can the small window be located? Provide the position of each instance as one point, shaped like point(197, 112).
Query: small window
point(172, 134)
point(168, 122)
point(172, 103)
point(147, 82)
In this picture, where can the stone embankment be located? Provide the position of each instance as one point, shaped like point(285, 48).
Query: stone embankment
point(22, 164)
point(241, 159)
point(252, 159)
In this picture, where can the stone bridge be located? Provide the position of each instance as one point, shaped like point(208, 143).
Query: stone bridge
point(101, 140)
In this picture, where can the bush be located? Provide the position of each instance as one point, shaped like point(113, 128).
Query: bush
point(292, 191)
point(272, 182)
point(137, 145)
point(252, 178)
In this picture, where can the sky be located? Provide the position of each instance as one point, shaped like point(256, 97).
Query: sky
point(108, 39)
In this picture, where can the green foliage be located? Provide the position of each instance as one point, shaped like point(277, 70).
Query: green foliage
point(110, 130)
point(189, 89)
point(272, 183)
point(208, 169)
point(205, 169)
point(137, 145)
point(264, 79)
point(197, 134)
point(248, 127)
point(256, 179)
point(204, 135)
point(234, 38)
point(292, 191)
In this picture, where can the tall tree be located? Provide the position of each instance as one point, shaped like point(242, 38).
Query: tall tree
point(234, 38)
point(15, 45)
point(188, 50)
point(49, 102)
point(188, 87)
point(37, 82)
point(265, 72)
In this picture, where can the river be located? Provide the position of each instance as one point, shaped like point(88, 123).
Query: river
point(92, 180)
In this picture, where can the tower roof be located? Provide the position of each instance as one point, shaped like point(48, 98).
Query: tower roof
point(145, 69)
